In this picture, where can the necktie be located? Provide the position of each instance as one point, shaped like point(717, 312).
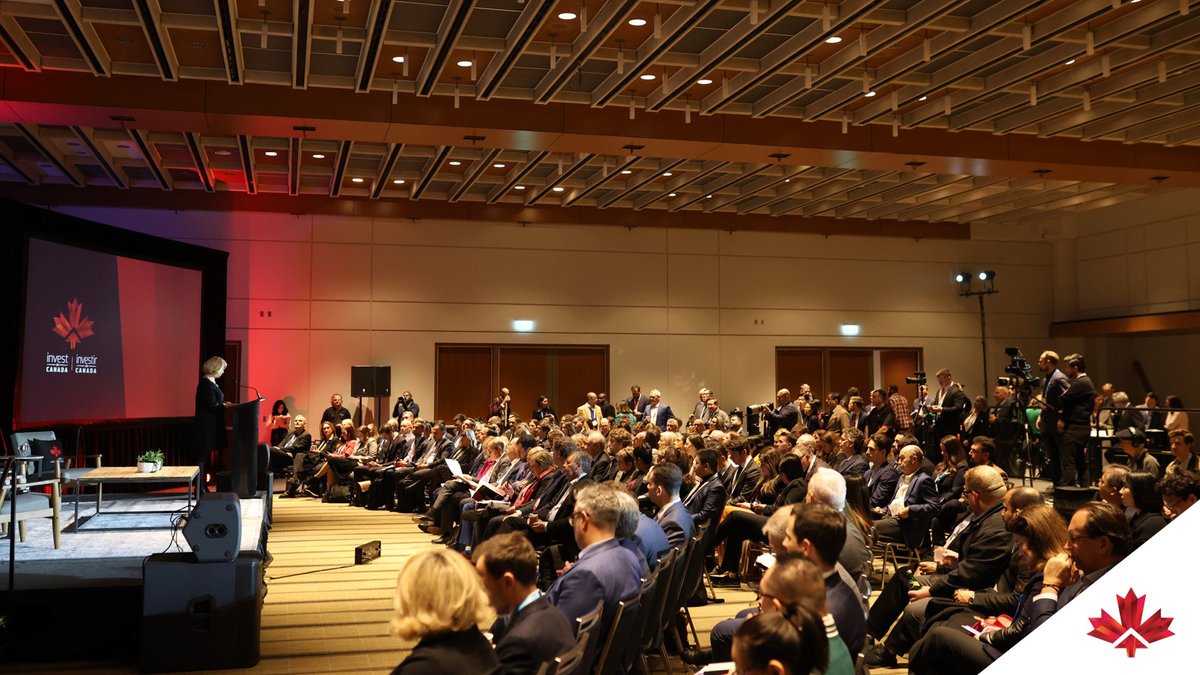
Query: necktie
point(692, 494)
point(592, 412)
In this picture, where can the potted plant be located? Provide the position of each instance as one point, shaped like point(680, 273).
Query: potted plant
point(150, 461)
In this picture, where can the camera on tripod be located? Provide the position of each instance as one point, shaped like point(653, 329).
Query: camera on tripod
point(1020, 372)
point(916, 378)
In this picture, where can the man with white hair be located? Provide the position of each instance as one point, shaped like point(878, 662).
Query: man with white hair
point(657, 412)
point(603, 467)
point(829, 487)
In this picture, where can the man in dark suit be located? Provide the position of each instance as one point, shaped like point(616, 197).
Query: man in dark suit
point(1054, 383)
point(746, 473)
point(1075, 421)
point(1006, 421)
point(603, 467)
point(1127, 417)
point(912, 504)
point(818, 532)
point(297, 440)
point(706, 501)
point(883, 475)
point(978, 552)
point(528, 630)
point(951, 406)
point(636, 401)
point(655, 411)
point(605, 570)
point(785, 415)
point(606, 407)
point(662, 489)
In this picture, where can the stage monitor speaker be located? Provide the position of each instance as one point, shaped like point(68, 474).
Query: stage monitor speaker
point(371, 381)
point(214, 527)
point(201, 616)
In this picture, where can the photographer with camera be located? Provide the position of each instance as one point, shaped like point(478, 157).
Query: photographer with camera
point(783, 415)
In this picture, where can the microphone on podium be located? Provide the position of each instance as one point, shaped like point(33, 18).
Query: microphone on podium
point(253, 389)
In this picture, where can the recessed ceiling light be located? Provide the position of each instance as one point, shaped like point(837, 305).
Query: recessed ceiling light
point(520, 187)
point(708, 197)
point(787, 180)
point(869, 94)
point(568, 16)
point(637, 22)
point(271, 153)
point(671, 195)
point(626, 171)
point(1069, 62)
point(318, 156)
point(454, 162)
point(923, 98)
point(223, 153)
point(356, 180)
point(398, 181)
point(668, 174)
point(558, 189)
point(498, 165)
point(465, 63)
point(833, 40)
point(704, 80)
point(398, 59)
point(647, 76)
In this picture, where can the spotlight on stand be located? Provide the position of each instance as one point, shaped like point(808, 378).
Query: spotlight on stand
point(962, 277)
point(988, 279)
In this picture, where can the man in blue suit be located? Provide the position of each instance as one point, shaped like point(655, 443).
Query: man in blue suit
point(662, 489)
point(657, 412)
point(605, 570)
point(912, 505)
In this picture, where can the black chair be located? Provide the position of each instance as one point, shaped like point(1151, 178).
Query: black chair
point(694, 578)
point(569, 662)
point(587, 629)
point(616, 643)
point(651, 631)
point(666, 623)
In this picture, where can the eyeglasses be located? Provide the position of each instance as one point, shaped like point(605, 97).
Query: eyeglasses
point(1072, 537)
point(574, 519)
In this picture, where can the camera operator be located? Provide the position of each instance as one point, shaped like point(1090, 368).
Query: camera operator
point(1074, 425)
point(1054, 383)
point(783, 415)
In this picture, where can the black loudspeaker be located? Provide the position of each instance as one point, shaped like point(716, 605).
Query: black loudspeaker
point(201, 616)
point(370, 381)
point(1067, 500)
point(214, 527)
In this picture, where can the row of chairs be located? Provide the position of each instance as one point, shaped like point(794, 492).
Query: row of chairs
point(640, 625)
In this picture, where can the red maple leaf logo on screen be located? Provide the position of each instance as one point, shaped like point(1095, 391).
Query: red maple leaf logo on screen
point(1131, 633)
point(75, 328)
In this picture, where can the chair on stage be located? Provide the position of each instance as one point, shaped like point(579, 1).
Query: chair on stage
point(25, 504)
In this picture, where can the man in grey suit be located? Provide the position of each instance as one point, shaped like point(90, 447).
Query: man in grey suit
point(662, 489)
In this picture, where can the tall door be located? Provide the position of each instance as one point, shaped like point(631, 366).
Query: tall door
point(897, 364)
point(463, 380)
point(577, 371)
point(526, 371)
point(796, 366)
point(851, 368)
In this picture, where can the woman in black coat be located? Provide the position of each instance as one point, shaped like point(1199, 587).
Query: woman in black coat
point(210, 418)
point(443, 616)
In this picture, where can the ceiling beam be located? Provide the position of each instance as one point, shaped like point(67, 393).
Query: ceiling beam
point(599, 179)
point(246, 153)
point(865, 192)
point(295, 161)
point(516, 175)
point(384, 174)
point(10, 159)
point(195, 147)
point(676, 27)
point(727, 45)
point(678, 183)
point(84, 36)
point(1097, 119)
point(17, 42)
point(755, 187)
point(559, 175)
point(637, 181)
point(339, 168)
point(451, 28)
point(368, 58)
point(610, 17)
point(231, 40)
point(432, 165)
point(473, 172)
point(302, 24)
point(150, 16)
point(531, 19)
point(150, 157)
point(710, 189)
point(900, 196)
point(32, 135)
point(102, 157)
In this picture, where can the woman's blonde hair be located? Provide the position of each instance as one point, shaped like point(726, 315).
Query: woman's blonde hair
point(438, 592)
point(214, 365)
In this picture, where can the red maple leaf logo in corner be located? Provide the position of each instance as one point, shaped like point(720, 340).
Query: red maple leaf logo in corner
point(74, 329)
point(1131, 633)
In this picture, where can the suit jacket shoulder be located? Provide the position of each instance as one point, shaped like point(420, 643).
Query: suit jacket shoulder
point(451, 654)
point(535, 635)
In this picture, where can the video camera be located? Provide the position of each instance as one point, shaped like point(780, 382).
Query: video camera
point(1020, 372)
point(916, 378)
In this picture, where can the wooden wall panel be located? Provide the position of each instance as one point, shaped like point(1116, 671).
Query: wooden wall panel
point(797, 366)
point(578, 370)
point(897, 364)
point(526, 371)
point(850, 368)
point(463, 380)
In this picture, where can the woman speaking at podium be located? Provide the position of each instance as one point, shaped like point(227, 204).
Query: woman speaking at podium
point(210, 418)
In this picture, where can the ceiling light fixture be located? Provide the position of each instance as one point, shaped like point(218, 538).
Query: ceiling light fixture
point(833, 40)
point(558, 189)
point(626, 171)
point(356, 180)
point(1070, 62)
point(637, 23)
point(398, 181)
point(498, 165)
point(271, 153)
point(869, 94)
point(318, 156)
point(568, 16)
point(519, 187)
point(667, 174)
point(398, 59)
point(672, 194)
point(465, 63)
point(923, 98)
point(224, 153)
point(454, 162)
point(704, 80)
point(647, 76)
